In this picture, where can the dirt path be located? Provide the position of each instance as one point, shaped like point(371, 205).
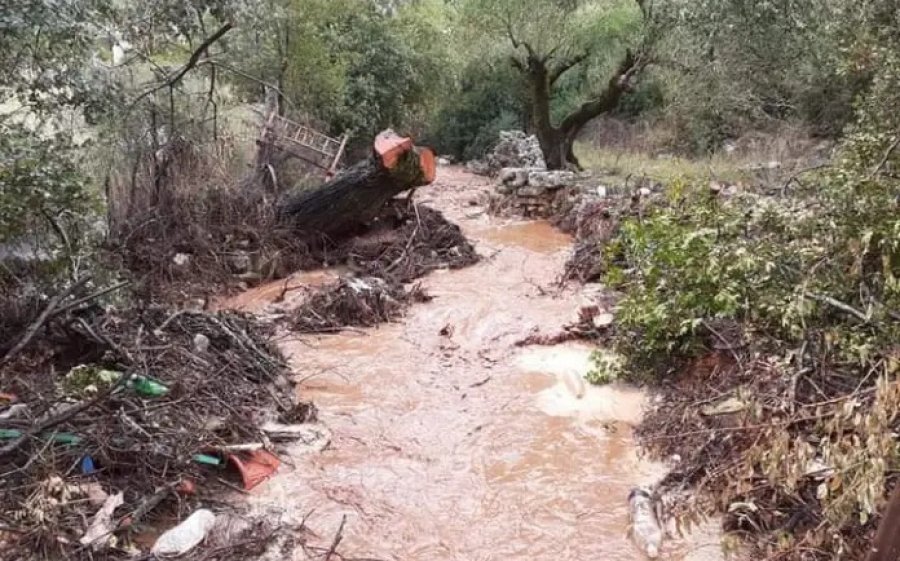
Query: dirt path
point(451, 443)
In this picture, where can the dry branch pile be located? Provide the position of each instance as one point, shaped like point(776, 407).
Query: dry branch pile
point(407, 242)
point(354, 302)
point(154, 389)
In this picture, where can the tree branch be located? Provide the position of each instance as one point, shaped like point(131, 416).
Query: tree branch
point(609, 98)
point(191, 63)
point(567, 65)
point(884, 160)
point(42, 319)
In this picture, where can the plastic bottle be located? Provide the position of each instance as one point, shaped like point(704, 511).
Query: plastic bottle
point(645, 530)
point(147, 387)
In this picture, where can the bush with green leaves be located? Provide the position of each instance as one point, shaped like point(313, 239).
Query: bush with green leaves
point(804, 285)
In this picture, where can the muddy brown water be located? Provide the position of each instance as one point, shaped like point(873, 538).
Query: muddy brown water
point(462, 446)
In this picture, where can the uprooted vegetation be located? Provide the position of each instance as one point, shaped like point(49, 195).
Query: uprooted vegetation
point(138, 409)
point(406, 243)
point(773, 319)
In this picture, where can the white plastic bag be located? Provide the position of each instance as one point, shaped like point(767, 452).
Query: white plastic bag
point(186, 536)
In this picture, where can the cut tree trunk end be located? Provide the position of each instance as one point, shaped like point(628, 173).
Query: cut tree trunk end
point(353, 198)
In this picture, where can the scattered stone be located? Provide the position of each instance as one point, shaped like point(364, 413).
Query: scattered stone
point(514, 177)
point(550, 179)
point(181, 259)
point(645, 192)
point(531, 191)
point(516, 150)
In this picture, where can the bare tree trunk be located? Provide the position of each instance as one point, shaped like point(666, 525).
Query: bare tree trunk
point(355, 197)
point(887, 541)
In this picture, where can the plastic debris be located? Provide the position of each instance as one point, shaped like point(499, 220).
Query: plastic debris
point(66, 438)
point(14, 411)
point(147, 387)
point(186, 536)
point(255, 467)
point(87, 465)
point(313, 437)
point(645, 529)
point(101, 528)
point(201, 343)
point(208, 460)
point(9, 434)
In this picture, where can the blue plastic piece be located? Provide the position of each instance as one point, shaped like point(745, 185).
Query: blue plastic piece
point(87, 465)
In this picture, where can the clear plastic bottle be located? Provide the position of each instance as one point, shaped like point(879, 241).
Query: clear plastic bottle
point(645, 529)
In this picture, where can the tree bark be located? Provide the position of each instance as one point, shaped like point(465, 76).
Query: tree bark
point(886, 546)
point(355, 197)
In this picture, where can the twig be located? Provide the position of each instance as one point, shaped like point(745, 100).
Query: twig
point(192, 62)
point(39, 322)
point(884, 160)
point(409, 243)
point(94, 296)
point(839, 305)
point(337, 539)
point(63, 417)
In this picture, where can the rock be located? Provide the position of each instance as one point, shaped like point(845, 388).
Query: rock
point(550, 179)
point(201, 343)
point(514, 177)
point(517, 150)
point(645, 192)
point(531, 191)
point(504, 189)
point(181, 259)
point(442, 161)
point(240, 262)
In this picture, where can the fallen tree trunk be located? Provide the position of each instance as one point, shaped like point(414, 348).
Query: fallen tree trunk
point(356, 196)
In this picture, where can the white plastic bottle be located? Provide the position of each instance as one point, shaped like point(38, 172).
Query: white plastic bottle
point(645, 529)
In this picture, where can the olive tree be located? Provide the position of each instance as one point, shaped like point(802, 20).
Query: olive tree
point(545, 39)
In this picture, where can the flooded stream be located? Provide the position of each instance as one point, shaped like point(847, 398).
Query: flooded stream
point(451, 443)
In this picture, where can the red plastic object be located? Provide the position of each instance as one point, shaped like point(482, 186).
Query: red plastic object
point(10, 397)
point(254, 467)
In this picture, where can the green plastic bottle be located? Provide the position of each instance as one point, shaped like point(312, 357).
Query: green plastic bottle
point(147, 387)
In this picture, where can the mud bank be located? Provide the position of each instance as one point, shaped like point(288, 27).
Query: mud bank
point(448, 441)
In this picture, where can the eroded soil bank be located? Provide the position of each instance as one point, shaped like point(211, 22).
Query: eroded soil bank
point(449, 442)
